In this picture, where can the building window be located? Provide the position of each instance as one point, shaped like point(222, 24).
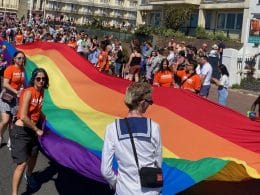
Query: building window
point(208, 20)
point(155, 19)
point(72, 7)
point(104, 1)
point(221, 21)
point(231, 21)
point(258, 62)
point(119, 2)
point(132, 15)
point(239, 21)
point(118, 13)
point(132, 4)
point(193, 20)
point(145, 2)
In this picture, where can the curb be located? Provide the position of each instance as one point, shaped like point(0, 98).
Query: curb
point(246, 92)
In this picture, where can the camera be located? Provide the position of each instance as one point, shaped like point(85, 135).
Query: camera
point(251, 115)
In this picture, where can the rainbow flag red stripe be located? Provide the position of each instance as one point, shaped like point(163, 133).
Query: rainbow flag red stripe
point(201, 139)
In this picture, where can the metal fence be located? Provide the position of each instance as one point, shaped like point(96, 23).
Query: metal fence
point(123, 36)
point(233, 34)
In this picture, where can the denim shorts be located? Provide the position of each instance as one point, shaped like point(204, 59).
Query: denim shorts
point(204, 91)
point(24, 143)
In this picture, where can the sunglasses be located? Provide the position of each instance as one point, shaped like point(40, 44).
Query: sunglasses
point(38, 79)
point(20, 58)
point(149, 101)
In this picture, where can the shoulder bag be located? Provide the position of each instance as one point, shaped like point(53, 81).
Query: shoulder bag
point(150, 177)
point(8, 96)
point(191, 75)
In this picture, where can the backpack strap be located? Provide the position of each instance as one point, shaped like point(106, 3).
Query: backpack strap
point(187, 78)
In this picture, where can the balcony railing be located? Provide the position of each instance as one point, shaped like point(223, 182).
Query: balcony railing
point(9, 6)
point(222, 1)
point(172, 2)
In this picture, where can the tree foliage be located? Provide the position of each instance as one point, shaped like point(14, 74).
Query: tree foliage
point(166, 32)
point(175, 17)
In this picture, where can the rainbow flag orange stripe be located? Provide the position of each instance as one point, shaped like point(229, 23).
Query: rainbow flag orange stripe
point(201, 139)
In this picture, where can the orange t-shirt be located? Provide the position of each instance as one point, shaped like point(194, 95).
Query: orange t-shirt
point(164, 78)
point(193, 82)
point(19, 39)
point(103, 61)
point(72, 44)
point(35, 105)
point(15, 74)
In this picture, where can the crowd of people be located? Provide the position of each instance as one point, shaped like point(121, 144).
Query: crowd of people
point(176, 65)
point(143, 62)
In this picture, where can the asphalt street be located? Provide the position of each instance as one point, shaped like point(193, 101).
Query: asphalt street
point(56, 179)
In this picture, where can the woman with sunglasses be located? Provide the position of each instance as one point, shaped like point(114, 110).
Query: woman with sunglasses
point(13, 84)
point(147, 141)
point(25, 130)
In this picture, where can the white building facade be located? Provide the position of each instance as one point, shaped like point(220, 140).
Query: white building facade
point(9, 8)
point(229, 16)
point(111, 12)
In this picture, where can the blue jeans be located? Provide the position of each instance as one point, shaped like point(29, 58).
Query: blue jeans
point(222, 96)
point(118, 68)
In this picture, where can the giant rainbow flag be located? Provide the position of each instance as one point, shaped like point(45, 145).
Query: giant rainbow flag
point(201, 139)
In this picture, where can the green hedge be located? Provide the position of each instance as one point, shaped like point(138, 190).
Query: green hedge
point(148, 30)
point(250, 84)
point(201, 33)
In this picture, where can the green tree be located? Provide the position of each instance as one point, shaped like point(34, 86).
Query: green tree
point(175, 17)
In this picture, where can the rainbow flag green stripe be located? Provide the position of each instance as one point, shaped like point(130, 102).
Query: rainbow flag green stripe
point(71, 127)
point(77, 116)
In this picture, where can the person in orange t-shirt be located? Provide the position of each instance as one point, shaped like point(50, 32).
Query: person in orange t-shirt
point(13, 84)
point(164, 76)
point(103, 58)
point(189, 79)
point(24, 133)
point(19, 38)
point(72, 42)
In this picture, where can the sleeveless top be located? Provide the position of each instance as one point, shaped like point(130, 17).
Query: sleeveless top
point(35, 105)
point(135, 61)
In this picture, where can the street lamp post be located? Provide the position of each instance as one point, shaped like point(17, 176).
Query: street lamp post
point(44, 10)
point(31, 6)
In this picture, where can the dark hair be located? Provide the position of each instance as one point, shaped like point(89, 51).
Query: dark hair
point(205, 58)
point(182, 53)
point(34, 74)
point(154, 51)
point(137, 49)
point(194, 63)
point(103, 45)
point(161, 65)
point(15, 54)
point(256, 102)
point(223, 70)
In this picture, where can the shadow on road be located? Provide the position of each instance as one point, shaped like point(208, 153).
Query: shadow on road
point(246, 187)
point(69, 182)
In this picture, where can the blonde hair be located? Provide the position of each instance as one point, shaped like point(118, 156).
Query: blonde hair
point(135, 93)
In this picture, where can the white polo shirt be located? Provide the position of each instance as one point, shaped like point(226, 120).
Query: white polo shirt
point(206, 69)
